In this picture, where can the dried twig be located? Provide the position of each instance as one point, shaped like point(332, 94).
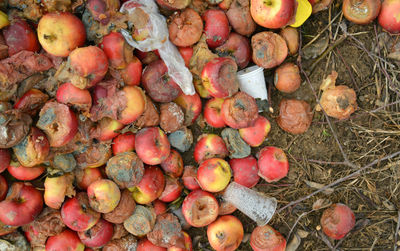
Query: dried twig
point(396, 233)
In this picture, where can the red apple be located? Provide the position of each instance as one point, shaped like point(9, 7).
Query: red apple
point(152, 145)
point(212, 112)
point(219, 77)
point(5, 159)
point(266, 238)
point(159, 207)
point(256, 134)
point(189, 178)
point(135, 105)
point(31, 102)
point(186, 53)
point(145, 245)
point(68, 240)
point(85, 177)
point(239, 111)
point(173, 165)
point(132, 73)
point(77, 214)
point(245, 171)
point(60, 33)
point(209, 146)
point(98, 235)
point(287, 78)
point(214, 175)
point(200, 208)
point(25, 173)
point(22, 204)
point(20, 36)
point(185, 28)
point(172, 191)
point(226, 233)
point(150, 187)
point(124, 142)
point(3, 187)
point(188, 244)
point(238, 47)
point(58, 122)
point(158, 84)
point(337, 221)
point(272, 163)
point(191, 106)
point(216, 27)
point(88, 65)
point(272, 14)
point(361, 11)
point(389, 16)
point(104, 195)
point(33, 149)
point(69, 94)
point(269, 49)
point(116, 49)
point(57, 188)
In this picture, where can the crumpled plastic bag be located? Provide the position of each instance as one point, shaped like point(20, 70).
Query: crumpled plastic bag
point(159, 40)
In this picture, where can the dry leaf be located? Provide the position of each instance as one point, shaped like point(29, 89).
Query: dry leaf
point(316, 185)
point(321, 203)
point(316, 48)
point(294, 243)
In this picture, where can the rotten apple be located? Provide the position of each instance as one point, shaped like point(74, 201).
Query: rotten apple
point(226, 233)
point(200, 208)
point(266, 238)
point(239, 111)
point(185, 28)
point(256, 134)
point(173, 165)
point(152, 145)
point(150, 186)
point(245, 171)
point(238, 47)
point(216, 27)
point(295, 116)
point(337, 221)
point(272, 163)
point(20, 36)
point(104, 195)
point(98, 235)
point(209, 146)
point(269, 49)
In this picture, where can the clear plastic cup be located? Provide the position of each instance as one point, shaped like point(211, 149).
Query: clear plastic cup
point(255, 205)
point(252, 82)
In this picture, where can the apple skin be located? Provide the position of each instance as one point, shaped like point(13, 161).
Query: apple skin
point(25, 173)
point(189, 178)
point(145, 245)
point(152, 145)
point(214, 175)
point(31, 102)
point(77, 214)
point(123, 143)
point(186, 53)
point(5, 159)
point(191, 106)
point(159, 207)
point(209, 146)
point(256, 134)
point(212, 113)
point(238, 47)
point(98, 235)
point(200, 208)
point(272, 163)
point(22, 204)
point(60, 33)
point(135, 106)
point(3, 187)
point(337, 221)
point(173, 165)
point(389, 16)
point(106, 129)
point(150, 187)
point(132, 73)
point(188, 243)
point(269, 49)
point(114, 46)
point(56, 188)
point(266, 238)
point(272, 14)
point(239, 111)
point(226, 233)
point(287, 78)
point(216, 27)
point(20, 36)
point(245, 171)
point(104, 195)
point(69, 94)
point(67, 240)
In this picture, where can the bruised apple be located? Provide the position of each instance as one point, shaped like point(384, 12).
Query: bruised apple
point(31, 101)
point(172, 191)
point(292, 38)
point(56, 188)
point(135, 105)
point(189, 178)
point(191, 106)
point(239, 17)
point(145, 245)
point(58, 122)
point(272, 163)
point(69, 94)
point(60, 32)
point(152, 145)
point(216, 27)
point(85, 177)
point(106, 129)
point(5, 159)
point(22, 204)
point(173, 5)
point(266, 238)
point(209, 146)
point(238, 47)
point(256, 134)
point(200, 208)
point(186, 53)
point(337, 221)
point(150, 186)
point(173, 165)
point(185, 28)
point(132, 73)
point(239, 111)
point(226, 233)
point(219, 77)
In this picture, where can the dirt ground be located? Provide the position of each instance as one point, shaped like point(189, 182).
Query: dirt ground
point(359, 55)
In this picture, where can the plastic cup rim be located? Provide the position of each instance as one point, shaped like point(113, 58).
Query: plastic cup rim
point(247, 72)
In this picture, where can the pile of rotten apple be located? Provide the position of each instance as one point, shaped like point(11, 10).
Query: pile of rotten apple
point(74, 115)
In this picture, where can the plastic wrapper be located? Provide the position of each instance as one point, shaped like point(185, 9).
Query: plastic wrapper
point(158, 39)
